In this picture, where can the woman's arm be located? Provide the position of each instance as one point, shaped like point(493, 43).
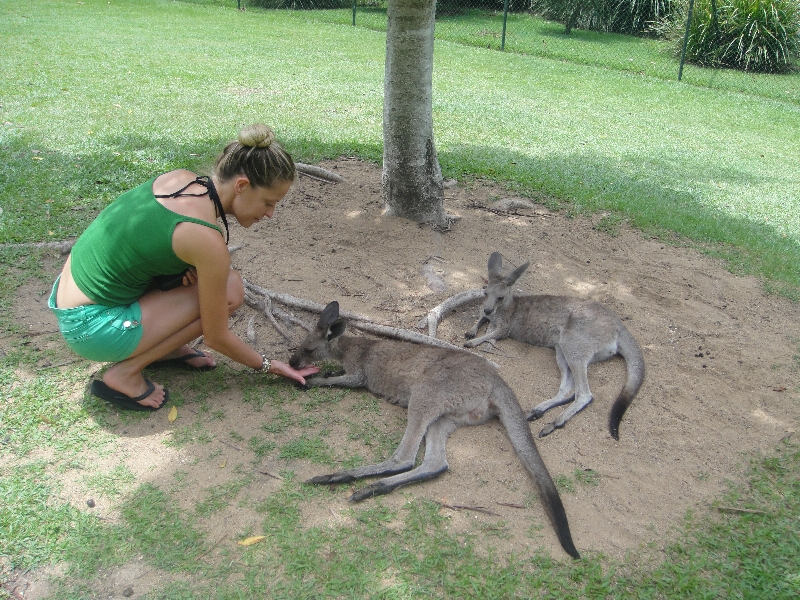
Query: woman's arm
point(219, 292)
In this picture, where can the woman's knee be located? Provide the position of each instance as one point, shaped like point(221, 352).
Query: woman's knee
point(235, 291)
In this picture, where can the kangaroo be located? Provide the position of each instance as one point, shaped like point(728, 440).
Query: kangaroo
point(443, 389)
point(580, 331)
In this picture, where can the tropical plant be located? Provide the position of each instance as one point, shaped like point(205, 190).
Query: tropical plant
point(300, 4)
point(761, 36)
point(617, 16)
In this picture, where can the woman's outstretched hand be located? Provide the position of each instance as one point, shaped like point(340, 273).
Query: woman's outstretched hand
point(284, 370)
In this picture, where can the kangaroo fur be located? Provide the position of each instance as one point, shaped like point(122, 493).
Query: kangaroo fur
point(443, 389)
point(580, 331)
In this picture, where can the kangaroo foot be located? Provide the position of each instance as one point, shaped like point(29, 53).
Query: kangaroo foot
point(332, 478)
point(376, 489)
point(548, 429)
point(535, 414)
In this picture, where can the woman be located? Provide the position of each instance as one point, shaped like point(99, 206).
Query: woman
point(106, 300)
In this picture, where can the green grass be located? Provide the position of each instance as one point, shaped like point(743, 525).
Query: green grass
point(531, 35)
point(719, 553)
point(97, 96)
point(134, 94)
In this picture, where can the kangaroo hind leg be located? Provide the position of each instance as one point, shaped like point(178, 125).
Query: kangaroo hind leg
point(583, 396)
point(401, 461)
point(564, 393)
point(433, 464)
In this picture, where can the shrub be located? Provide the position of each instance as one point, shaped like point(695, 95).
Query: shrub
point(618, 16)
point(761, 36)
point(300, 4)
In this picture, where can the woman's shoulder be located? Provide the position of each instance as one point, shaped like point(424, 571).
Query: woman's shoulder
point(172, 181)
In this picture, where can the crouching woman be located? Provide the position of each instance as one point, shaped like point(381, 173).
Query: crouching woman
point(152, 272)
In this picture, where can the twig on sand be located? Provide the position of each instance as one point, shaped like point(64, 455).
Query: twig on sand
point(750, 511)
point(480, 509)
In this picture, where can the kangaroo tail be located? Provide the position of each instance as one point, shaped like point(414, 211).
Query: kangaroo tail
point(521, 439)
point(630, 351)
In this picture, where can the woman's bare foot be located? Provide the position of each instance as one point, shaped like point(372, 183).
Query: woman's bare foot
point(133, 385)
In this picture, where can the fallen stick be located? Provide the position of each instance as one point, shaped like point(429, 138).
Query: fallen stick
point(290, 318)
point(63, 247)
point(251, 330)
point(481, 509)
point(437, 313)
point(316, 172)
point(741, 510)
point(355, 320)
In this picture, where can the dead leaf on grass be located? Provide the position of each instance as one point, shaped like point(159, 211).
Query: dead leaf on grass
point(251, 540)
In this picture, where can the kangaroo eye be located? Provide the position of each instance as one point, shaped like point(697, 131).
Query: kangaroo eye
point(500, 298)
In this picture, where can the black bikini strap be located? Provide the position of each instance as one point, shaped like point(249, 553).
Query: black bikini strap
point(206, 182)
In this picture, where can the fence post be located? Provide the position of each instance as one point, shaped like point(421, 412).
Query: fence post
point(685, 38)
point(354, 13)
point(505, 18)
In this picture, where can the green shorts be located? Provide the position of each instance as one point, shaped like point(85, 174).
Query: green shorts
point(97, 332)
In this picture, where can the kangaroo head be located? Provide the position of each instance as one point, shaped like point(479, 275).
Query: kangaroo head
point(499, 291)
point(318, 344)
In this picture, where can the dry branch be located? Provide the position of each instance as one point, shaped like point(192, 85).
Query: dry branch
point(251, 330)
point(750, 511)
point(63, 247)
point(316, 172)
point(436, 314)
point(253, 292)
point(481, 509)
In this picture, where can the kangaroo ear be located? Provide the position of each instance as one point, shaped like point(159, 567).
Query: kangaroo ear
point(335, 329)
point(329, 314)
point(515, 274)
point(495, 264)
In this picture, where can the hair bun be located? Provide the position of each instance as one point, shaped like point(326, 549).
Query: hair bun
point(257, 135)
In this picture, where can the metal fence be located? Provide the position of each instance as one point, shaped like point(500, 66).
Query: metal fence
point(502, 26)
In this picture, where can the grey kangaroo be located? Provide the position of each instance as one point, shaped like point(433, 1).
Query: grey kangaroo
point(580, 331)
point(443, 389)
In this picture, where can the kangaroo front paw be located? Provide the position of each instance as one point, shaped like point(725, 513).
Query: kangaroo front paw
point(469, 335)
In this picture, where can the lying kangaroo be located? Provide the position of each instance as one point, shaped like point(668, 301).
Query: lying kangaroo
point(581, 331)
point(443, 389)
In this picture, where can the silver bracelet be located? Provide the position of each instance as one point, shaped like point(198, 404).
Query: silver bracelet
point(265, 365)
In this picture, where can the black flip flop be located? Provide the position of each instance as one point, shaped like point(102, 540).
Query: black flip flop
point(180, 361)
point(102, 391)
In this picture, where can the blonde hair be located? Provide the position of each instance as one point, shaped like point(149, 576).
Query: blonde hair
point(257, 156)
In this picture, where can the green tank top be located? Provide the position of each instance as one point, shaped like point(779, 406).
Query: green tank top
point(116, 258)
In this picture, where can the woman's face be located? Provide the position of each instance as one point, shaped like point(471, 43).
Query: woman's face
point(251, 203)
